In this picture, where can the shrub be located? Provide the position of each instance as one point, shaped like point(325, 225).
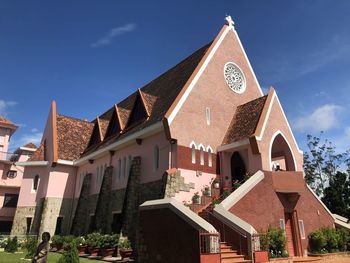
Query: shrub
point(70, 254)
point(57, 240)
point(343, 239)
point(68, 239)
point(80, 241)
point(108, 241)
point(124, 244)
point(12, 245)
point(92, 239)
point(30, 245)
point(332, 238)
point(317, 241)
point(3, 243)
point(274, 240)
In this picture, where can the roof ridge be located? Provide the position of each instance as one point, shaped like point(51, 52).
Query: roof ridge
point(73, 118)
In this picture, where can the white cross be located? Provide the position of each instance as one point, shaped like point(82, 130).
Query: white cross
point(229, 21)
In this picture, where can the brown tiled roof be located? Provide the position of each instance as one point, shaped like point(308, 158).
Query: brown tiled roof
point(7, 123)
point(103, 126)
point(38, 155)
point(30, 145)
point(158, 96)
point(72, 137)
point(245, 120)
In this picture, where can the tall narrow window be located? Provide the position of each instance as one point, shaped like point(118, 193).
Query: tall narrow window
point(193, 153)
point(29, 223)
point(207, 115)
point(156, 158)
point(201, 154)
point(210, 157)
point(302, 229)
point(58, 229)
point(35, 182)
point(97, 176)
point(282, 224)
point(129, 164)
point(124, 167)
point(119, 168)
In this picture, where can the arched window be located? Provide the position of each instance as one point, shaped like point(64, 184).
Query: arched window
point(193, 152)
point(210, 157)
point(201, 154)
point(124, 167)
point(156, 158)
point(35, 182)
point(281, 153)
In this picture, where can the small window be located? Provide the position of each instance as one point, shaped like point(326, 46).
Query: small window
point(201, 151)
point(11, 174)
point(282, 224)
point(302, 229)
point(119, 168)
point(29, 223)
point(117, 223)
point(210, 157)
point(35, 182)
point(193, 150)
point(156, 158)
point(207, 115)
point(10, 200)
point(58, 229)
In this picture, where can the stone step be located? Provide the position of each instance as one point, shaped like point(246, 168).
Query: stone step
point(236, 260)
point(226, 249)
point(230, 255)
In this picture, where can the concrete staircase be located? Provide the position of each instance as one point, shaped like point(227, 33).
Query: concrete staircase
point(229, 255)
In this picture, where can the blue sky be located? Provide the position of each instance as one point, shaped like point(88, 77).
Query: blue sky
point(88, 55)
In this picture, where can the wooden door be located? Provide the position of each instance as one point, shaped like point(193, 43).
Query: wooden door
point(289, 234)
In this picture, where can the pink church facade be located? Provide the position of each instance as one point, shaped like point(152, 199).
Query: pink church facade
point(204, 119)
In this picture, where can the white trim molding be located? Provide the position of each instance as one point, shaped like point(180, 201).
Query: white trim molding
point(290, 149)
point(65, 162)
point(233, 145)
point(148, 131)
point(193, 143)
point(27, 149)
point(180, 210)
point(32, 163)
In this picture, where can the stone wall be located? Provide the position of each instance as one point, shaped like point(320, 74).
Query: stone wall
point(54, 207)
point(175, 183)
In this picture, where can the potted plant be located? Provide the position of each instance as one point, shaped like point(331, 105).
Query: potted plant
point(92, 242)
point(125, 250)
point(207, 191)
point(107, 244)
point(262, 255)
point(57, 243)
point(196, 199)
point(81, 245)
point(216, 183)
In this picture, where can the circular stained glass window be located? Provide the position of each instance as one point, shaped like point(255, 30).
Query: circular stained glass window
point(234, 77)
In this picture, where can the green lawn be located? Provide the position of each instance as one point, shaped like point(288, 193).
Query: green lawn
point(53, 257)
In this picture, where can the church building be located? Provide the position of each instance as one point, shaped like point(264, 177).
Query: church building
point(201, 129)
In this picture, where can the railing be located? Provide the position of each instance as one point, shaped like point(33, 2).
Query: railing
point(7, 156)
point(256, 243)
point(209, 243)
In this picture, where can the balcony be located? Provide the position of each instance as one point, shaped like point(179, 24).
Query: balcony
point(9, 157)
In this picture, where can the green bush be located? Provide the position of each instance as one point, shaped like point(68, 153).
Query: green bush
point(317, 241)
point(93, 239)
point(3, 243)
point(12, 245)
point(30, 245)
point(328, 240)
point(274, 241)
point(57, 240)
point(108, 241)
point(124, 244)
point(70, 254)
point(80, 241)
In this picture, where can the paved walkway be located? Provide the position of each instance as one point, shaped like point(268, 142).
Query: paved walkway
point(338, 260)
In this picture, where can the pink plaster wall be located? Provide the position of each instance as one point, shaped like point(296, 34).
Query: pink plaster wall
point(199, 181)
point(276, 122)
point(61, 181)
point(4, 141)
point(145, 150)
point(212, 91)
point(28, 197)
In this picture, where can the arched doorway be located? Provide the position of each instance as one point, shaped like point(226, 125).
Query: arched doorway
point(238, 169)
point(281, 154)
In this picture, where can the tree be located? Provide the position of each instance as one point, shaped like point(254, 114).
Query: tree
point(322, 162)
point(337, 194)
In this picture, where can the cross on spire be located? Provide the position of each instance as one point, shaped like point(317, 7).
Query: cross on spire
point(229, 21)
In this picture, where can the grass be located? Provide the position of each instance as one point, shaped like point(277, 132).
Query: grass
point(53, 258)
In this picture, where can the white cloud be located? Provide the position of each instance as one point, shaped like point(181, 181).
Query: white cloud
point(114, 32)
point(34, 137)
point(347, 132)
point(4, 105)
point(322, 118)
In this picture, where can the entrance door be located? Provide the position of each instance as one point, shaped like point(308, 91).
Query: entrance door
point(237, 168)
point(289, 234)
